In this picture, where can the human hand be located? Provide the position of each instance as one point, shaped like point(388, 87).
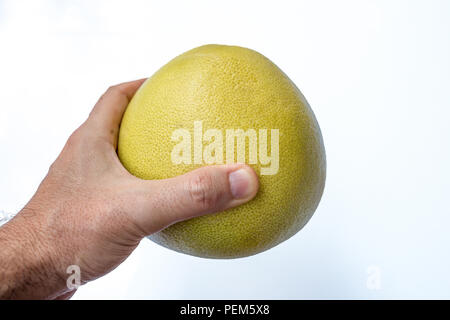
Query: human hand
point(90, 212)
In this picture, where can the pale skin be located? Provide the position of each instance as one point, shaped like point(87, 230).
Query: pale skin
point(91, 212)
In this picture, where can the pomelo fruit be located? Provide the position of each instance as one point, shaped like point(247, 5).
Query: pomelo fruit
point(227, 87)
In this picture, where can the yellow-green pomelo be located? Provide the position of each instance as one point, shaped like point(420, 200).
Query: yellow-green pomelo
point(228, 87)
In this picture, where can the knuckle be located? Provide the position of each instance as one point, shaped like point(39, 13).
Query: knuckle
point(75, 138)
point(202, 191)
point(79, 138)
point(112, 88)
point(54, 166)
point(109, 91)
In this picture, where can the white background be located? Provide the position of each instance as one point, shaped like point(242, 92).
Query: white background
point(377, 75)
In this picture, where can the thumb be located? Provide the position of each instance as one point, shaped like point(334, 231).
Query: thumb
point(199, 192)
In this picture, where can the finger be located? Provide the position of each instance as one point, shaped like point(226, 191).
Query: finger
point(108, 111)
point(199, 192)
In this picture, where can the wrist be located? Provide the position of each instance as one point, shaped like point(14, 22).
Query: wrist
point(28, 268)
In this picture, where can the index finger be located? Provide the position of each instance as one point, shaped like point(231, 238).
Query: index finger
point(107, 113)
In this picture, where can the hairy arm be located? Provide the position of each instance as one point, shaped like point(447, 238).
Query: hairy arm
point(28, 262)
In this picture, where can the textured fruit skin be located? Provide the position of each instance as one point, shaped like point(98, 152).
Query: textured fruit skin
point(228, 87)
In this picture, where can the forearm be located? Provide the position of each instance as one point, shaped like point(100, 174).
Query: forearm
point(28, 268)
